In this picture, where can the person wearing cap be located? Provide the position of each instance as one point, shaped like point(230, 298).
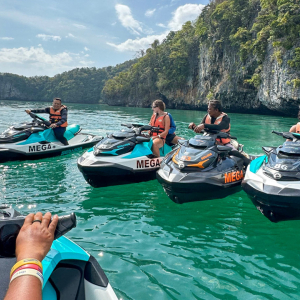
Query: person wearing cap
point(58, 118)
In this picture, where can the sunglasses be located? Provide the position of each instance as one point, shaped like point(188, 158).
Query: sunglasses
point(154, 106)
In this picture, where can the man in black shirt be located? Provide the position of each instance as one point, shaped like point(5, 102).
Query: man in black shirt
point(58, 118)
point(214, 120)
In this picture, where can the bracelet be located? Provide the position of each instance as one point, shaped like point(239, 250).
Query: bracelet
point(28, 266)
point(25, 262)
point(28, 272)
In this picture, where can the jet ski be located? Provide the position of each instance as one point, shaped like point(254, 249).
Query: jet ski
point(272, 181)
point(199, 169)
point(35, 140)
point(69, 271)
point(122, 157)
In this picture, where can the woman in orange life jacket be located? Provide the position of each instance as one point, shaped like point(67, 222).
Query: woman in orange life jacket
point(58, 118)
point(296, 128)
point(161, 119)
point(215, 119)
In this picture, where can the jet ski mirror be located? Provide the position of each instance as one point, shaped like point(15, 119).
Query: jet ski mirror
point(11, 223)
point(268, 150)
point(127, 125)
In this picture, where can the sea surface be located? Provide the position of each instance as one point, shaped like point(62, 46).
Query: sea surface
point(150, 247)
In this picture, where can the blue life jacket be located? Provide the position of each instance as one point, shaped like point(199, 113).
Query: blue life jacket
point(172, 124)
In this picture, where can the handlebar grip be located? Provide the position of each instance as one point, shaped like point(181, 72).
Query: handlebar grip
point(233, 137)
point(65, 224)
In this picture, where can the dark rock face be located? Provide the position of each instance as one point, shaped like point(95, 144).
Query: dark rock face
point(222, 76)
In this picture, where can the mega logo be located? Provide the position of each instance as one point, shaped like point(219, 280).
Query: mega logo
point(39, 148)
point(147, 163)
point(234, 176)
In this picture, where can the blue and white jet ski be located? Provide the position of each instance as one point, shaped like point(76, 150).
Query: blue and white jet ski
point(70, 273)
point(122, 157)
point(35, 140)
point(272, 181)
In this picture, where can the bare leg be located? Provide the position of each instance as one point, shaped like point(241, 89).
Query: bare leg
point(157, 143)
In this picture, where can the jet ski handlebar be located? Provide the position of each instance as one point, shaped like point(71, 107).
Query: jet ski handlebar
point(286, 135)
point(10, 227)
point(34, 117)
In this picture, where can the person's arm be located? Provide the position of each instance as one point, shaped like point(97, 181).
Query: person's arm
point(200, 127)
point(167, 127)
point(64, 117)
point(34, 241)
point(39, 111)
point(223, 125)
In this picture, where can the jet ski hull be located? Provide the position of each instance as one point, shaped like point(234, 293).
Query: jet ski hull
point(12, 152)
point(117, 171)
point(190, 187)
point(276, 200)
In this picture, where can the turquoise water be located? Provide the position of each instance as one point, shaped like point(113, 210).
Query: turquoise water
point(150, 247)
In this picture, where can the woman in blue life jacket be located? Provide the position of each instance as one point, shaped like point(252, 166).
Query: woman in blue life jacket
point(167, 126)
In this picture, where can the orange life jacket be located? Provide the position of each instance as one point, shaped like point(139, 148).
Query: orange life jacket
point(55, 116)
point(298, 127)
point(218, 121)
point(158, 122)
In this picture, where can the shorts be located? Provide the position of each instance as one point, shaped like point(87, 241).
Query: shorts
point(169, 138)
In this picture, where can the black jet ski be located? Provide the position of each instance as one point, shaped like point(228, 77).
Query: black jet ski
point(36, 140)
point(272, 181)
point(122, 157)
point(199, 169)
point(69, 271)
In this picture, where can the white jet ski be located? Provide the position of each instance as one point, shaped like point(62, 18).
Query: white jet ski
point(122, 157)
point(272, 181)
point(35, 140)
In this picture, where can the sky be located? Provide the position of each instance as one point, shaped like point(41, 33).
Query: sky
point(39, 37)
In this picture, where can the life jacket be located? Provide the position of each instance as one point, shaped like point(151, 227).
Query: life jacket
point(172, 124)
point(158, 122)
point(298, 127)
point(55, 116)
point(218, 121)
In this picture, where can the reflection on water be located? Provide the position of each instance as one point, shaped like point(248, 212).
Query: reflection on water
point(150, 247)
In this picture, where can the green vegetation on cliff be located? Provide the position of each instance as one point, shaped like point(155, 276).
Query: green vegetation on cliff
point(77, 85)
point(247, 27)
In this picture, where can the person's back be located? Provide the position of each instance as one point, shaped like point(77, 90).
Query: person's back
point(296, 128)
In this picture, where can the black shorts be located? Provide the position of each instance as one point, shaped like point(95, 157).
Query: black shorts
point(169, 139)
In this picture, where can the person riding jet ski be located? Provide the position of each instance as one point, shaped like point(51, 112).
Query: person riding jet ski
point(167, 127)
point(296, 128)
point(201, 169)
point(35, 140)
point(58, 118)
point(123, 157)
point(272, 181)
point(32, 268)
point(216, 119)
